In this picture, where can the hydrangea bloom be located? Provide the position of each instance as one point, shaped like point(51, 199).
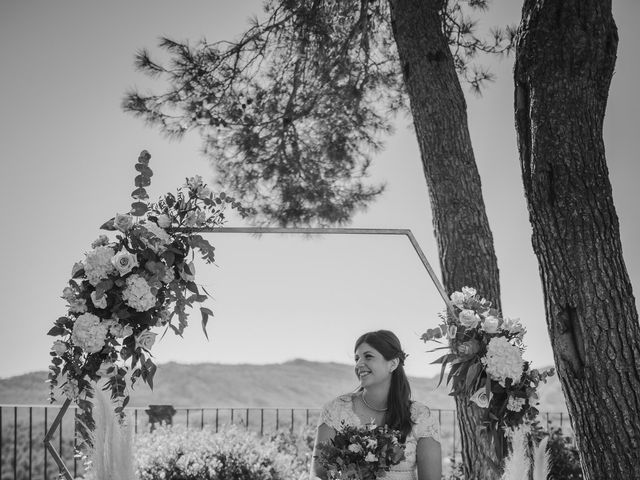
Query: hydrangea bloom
point(97, 265)
point(89, 333)
point(503, 360)
point(138, 294)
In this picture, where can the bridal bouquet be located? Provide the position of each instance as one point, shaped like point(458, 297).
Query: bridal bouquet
point(127, 287)
point(360, 453)
point(485, 355)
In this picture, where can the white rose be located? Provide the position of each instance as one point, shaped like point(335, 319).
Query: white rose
point(99, 302)
point(468, 292)
point(164, 221)
point(491, 324)
point(469, 318)
point(59, 347)
point(146, 340)
point(355, 448)
point(124, 262)
point(480, 398)
point(458, 298)
point(123, 222)
point(372, 443)
point(370, 458)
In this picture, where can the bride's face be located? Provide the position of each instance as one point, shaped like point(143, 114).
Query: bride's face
point(371, 367)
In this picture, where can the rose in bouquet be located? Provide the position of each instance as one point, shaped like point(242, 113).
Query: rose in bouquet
point(487, 366)
point(127, 287)
point(360, 453)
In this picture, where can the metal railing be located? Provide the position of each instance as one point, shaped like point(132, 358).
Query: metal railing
point(22, 429)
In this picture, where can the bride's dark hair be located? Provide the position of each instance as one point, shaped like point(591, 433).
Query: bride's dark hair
point(398, 414)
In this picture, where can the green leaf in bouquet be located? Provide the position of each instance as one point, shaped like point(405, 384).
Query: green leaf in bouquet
point(140, 194)
point(56, 331)
point(103, 286)
point(169, 257)
point(109, 225)
point(473, 372)
point(191, 286)
point(138, 209)
point(202, 244)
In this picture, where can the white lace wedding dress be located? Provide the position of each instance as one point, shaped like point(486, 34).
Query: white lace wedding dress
point(425, 426)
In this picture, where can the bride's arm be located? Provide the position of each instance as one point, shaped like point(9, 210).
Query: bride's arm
point(429, 459)
point(324, 433)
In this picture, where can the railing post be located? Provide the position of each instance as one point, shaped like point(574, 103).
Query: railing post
point(46, 429)
point(30, 439)
point(15, 442)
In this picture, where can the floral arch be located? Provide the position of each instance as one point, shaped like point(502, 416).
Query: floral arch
point(145, 279)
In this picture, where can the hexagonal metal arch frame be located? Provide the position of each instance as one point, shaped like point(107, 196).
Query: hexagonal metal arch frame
point(64, 471)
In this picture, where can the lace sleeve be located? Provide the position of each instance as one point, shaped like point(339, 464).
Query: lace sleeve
point(327, 415)
point(427, 425)
point(334, 412)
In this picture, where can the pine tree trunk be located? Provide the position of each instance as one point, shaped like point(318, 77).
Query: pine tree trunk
point(565, 58)
point(465, 242)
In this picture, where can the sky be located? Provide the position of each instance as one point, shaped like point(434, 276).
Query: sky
point(67, 155)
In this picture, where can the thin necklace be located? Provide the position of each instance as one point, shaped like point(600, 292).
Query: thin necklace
point(364, 400)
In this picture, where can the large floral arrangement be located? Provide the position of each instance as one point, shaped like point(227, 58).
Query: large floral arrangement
point(127, 289)
point(485, 355)
point(360, 453)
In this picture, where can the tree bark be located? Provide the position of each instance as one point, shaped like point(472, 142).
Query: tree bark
point(565, 56)
point(465, 242)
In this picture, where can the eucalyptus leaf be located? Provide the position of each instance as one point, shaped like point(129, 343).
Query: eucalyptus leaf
point(138, 209)
point(142, 181)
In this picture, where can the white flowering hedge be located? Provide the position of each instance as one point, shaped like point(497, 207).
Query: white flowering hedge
point(127, 289)
point(231, 454)
point(486, 362)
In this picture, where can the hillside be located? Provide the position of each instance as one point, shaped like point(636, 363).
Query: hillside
point(298, 383)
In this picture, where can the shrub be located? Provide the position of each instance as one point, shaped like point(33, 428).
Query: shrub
point(174, 453)
point(565, 461)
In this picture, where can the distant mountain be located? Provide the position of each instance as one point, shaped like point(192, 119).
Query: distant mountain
point(298, 383)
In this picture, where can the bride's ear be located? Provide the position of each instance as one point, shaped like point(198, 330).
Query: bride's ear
point(394, 364)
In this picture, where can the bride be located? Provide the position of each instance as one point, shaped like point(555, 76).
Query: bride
point(384, 396)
